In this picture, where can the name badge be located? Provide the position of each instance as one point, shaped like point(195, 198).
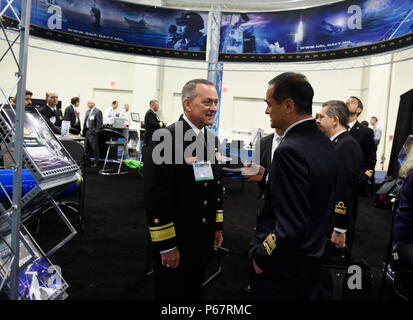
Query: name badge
point(53, 119)
point(92, 117)
point(203, 171)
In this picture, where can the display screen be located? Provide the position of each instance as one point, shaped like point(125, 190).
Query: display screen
point(342, 29)
point(119, 26)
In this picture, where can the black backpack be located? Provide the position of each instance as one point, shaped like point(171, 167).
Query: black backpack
point(344, 278)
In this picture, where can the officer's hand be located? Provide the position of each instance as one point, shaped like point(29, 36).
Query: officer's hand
point(171, 259)
point(339, 239)
point(253, 172)
point(257, 269)
point(218, 239)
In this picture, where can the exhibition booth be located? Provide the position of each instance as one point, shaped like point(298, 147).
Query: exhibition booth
point(121, 50)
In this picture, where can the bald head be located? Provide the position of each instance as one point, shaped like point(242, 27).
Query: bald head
point(52, 98)
point(91, 104)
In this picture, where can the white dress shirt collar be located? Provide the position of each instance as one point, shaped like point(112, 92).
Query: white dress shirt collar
point(193, 127)
point(337, 134)
point(275, 142)
point(351, 124)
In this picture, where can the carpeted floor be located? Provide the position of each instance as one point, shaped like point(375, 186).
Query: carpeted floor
point(108, 260)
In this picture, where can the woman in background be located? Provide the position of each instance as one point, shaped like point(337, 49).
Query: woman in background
point(403, 219)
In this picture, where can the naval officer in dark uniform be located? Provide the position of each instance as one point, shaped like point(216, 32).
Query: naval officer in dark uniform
point(365, 137)
point(289, 241)
point(184, 196)
point(333, 122)
point(152, 123)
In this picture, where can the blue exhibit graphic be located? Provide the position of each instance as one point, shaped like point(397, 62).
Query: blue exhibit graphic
point(343, 25)
point(118, 25)
point(343, 29)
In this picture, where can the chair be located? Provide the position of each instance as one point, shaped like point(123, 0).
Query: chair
point(110, 145)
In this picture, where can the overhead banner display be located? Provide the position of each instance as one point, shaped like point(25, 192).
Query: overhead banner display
point(342, 30)
point(118, 26)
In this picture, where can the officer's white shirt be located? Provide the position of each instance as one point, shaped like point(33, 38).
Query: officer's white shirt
point(351, 124)
point(275, 143)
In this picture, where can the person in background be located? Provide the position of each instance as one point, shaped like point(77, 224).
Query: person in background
point(365, 138)
point(365, 123)
point(91, 127)
point(344, 205)
point(12, 101)
point(72, 114)
point(51, 114)
point(152, 123)
point(376, 130)
point(403, 219)
point(8, 160)
point(126, 114)
point(28, 98)
point(111, 112)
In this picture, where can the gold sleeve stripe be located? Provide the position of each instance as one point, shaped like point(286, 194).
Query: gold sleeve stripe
point(160, 124)
point(220, 217)
point(161, 227)
point(162, 235)
point(220, 211)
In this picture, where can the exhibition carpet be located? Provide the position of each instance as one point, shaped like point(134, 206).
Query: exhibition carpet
point(108, 260)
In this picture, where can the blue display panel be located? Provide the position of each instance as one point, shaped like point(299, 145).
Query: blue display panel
point(341, 30)
point(118, 26)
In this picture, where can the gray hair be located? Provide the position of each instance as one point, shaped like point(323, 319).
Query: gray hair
point(189, 89)
point(152, 102)
point(337, 108)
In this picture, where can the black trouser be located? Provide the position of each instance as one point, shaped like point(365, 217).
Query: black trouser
point(184, 282)
point(291, 281)
point(92, 145)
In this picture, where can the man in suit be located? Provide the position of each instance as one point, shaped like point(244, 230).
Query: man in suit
point(268, 144)
point(289, 240)
point(365, 138)
point(152, 123)
point(51, 114)
point(376, 130)
point(184, 196)
point(91, 128)
point(71, 114)
point(333, 122)
point(8, 154)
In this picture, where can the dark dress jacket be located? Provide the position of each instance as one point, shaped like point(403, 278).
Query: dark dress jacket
point(48, 115)
point(152, 123)
point(365, 138)
point(291, 226)
point(265, 161)
point(403, 219)
point(344, 206)
point(182, 212)
point(72, 116)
